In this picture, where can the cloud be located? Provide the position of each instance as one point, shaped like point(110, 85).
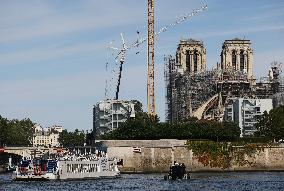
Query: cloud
point(56, 51)
point(91, 16)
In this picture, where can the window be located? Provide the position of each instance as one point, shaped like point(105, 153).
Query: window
point(188, 64)
point(234, 59)
point(195, 56)
point(242, 60)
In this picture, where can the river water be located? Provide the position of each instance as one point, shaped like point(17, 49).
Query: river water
point(245, 181)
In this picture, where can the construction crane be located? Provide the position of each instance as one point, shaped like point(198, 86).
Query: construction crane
point(151, 60)
point(121, 53)
point(151, 51)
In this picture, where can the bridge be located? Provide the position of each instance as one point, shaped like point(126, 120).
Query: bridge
point(25, 151)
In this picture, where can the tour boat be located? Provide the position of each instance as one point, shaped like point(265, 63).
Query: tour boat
point(67, 168)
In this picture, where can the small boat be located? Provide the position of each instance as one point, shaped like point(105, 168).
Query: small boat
point(177, 171)
point(67, 168)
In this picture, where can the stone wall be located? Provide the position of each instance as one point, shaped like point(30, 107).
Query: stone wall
point(158, 156)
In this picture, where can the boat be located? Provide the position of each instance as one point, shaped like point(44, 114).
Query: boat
point(67, 168)
point(177, 171)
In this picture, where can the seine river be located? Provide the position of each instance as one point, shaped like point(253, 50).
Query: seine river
point(255, 181)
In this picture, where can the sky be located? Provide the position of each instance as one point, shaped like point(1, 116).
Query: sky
point(53, 53)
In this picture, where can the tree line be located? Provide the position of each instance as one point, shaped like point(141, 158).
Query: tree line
point(20, 133)
point(16, 132)
point(145, 127)
point(270, 127)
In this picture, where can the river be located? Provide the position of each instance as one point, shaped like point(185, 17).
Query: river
point(139, 182)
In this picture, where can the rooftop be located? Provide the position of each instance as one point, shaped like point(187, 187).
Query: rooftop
point(237, 40)
point(190, 41)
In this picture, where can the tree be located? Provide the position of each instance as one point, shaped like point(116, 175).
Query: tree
point(16, 132)
point(3, 130)
point(90, 137)
point(72, 139)
point(271, 125)
point(137, 106)
point(147, 127)
point(64, 138)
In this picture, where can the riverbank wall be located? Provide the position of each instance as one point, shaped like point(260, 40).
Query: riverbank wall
point(150, 156)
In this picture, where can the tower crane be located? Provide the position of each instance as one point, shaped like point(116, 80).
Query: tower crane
point(151, 60)
point(150, 51)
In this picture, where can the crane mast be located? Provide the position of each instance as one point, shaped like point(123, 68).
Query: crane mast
point(151, 61)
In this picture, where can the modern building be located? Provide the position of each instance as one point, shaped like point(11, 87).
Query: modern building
point(109, 114)
point(46, 136)
point(245, 112)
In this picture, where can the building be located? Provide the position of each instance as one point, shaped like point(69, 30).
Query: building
point(245, 112)
point(46, 136)
point(191, 55)
point(237, 54)
point(193, 91)
point(109, 114)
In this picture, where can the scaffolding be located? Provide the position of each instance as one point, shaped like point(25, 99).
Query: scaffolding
point(205, 94)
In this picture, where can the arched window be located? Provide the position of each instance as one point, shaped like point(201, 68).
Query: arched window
point(242, 60)
point(234, 59)
point(222, 60)
point(195, 56)
point(188, 67)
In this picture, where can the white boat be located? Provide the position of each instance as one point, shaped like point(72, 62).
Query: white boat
point(67, 169)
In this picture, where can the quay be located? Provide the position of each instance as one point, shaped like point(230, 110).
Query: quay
point(155, 156)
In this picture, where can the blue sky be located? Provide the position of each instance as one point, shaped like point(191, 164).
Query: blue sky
point(53, 52)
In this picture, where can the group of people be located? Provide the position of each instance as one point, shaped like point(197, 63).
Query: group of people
point(177, 171)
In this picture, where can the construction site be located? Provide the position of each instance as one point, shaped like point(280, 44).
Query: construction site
point(109, 113)
point(193, 91)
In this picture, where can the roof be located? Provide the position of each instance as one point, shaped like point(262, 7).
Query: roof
point(235, 40)
point(190, 41)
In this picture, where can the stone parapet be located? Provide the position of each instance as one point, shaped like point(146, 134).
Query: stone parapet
point(158, 155)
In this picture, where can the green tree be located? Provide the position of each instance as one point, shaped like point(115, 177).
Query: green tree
point(271, 125)
point(137, 106)
point(71, 139)
point(79, 138)
point(90, 136)
point(64, 138)
point(3, 130)
point(146, 127)
point(16, 132)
